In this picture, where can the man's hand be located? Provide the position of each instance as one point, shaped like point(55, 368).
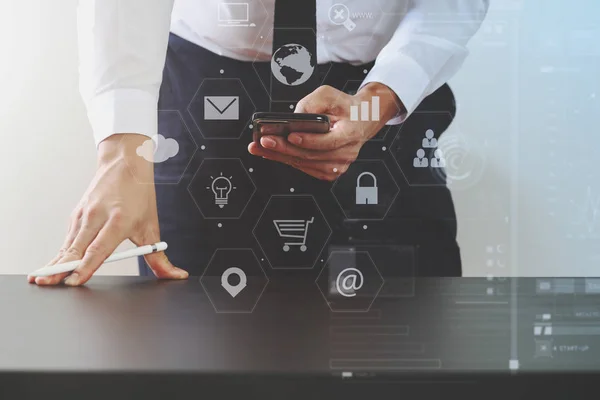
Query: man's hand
point(115, 207)
point(328, 156)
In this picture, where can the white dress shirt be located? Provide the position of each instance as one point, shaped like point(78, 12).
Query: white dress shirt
point(418, 46)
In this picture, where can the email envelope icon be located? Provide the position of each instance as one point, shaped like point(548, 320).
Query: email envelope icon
point(221, 107)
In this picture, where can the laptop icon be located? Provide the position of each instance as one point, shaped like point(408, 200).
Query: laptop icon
point(234, 15)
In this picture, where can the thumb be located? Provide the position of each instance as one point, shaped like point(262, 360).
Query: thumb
point(319, 101)
point(158, 262)
point(163, 269)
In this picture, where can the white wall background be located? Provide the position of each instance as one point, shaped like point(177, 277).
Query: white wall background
point(48, 156)
point(522, 211)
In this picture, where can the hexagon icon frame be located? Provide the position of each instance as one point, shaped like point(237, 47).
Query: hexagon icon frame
point(207, 291)
point(259, 28)
point(258, 60)
point(397, 191)
point(382, 15)
point(249, 197)
point(187, 130)
point(391, 148)
point(387, 128)
point(330, 232)
point(246, 123)
point(331, 255)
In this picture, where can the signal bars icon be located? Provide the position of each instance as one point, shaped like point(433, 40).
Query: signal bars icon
point(363, 114)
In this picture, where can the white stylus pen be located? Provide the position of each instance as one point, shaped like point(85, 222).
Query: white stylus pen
point(71, 265)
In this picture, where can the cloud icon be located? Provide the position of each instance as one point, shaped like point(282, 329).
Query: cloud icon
point(158, 149)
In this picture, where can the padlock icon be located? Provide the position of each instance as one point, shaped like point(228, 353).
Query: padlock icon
point(366, 194)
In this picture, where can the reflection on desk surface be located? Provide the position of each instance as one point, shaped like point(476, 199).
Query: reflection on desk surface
point(446, 324)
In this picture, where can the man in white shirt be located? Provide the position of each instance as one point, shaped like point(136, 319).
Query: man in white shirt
point(417, 45)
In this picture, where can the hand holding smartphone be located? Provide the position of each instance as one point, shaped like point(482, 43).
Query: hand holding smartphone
point(282, 124)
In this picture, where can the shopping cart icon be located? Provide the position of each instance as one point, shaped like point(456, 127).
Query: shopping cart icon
point(293, 229)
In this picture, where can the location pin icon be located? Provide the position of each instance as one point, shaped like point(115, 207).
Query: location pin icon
point(233, 290)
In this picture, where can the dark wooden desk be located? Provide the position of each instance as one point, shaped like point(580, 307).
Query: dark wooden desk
point(138, 336)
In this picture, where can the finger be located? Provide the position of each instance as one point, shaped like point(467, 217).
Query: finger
point(339, 136)
point(283, 146)
point(102, 246)
point(31, 279)
point(159, 262)
point(88, 232)
point(273, 129)
point(74, 227)
point(163, 268)
point(320, 101)
point(49, 280)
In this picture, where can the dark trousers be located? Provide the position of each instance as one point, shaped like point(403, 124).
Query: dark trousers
point(420, 224)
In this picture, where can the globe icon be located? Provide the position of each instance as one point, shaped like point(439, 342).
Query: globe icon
point(292, 64)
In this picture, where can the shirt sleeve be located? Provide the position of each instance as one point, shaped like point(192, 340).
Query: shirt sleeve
point(122, 50)
point(427, 49)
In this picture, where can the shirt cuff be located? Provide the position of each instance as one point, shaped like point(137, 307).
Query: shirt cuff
point(405, 77)
point(123, 111)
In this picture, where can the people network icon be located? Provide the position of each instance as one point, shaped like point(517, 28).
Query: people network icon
point(429, 142)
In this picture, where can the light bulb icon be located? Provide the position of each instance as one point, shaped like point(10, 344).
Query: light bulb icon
point(221, 187)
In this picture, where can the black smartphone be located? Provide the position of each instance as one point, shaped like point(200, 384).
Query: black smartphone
point(282, 124)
